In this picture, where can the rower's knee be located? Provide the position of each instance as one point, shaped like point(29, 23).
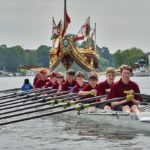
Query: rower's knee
point(126, 108)
point(107, 107)
point(134, 108)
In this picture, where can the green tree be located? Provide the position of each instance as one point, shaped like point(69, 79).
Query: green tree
point(12, 58)
point(30, 58)
point(104, 52)
point(103, 64)
point(43, 56)
point(2, 54)
point(128, 56)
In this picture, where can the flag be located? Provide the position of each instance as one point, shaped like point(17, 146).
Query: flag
point(66, 23)
point(77, 38)
point(80, 35)
point(85, 28)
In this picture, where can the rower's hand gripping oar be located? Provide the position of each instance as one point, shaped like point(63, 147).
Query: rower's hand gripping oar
point(135, 93)
point(131, 93)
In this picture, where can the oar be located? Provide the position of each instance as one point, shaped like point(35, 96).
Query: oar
point(59, 103)
point(19, 93)
point(32, 98)
point(22, 93)
point(144, 96)
point(20, 99)
point(55, 100)
point(43, 109)
point(10, 90)
point(34, 102)
point(145, 107)
point(78, 108)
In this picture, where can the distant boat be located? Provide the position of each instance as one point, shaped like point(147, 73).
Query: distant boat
point(141, 72)
point(68, 54)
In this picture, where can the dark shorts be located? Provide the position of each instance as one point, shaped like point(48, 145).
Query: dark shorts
point(101, 106)
point(119, 107)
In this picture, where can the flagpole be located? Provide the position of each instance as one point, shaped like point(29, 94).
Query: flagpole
point(52, 32)
point(95, 36)
point(88, 36)
point(65, 14)
point(89, 33)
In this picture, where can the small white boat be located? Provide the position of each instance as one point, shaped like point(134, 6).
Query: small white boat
point(141, 72)
point(122, 120)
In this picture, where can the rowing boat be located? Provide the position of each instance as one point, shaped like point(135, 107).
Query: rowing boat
point(122, 120)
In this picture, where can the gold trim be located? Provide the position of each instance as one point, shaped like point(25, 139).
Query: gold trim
point(77, 52)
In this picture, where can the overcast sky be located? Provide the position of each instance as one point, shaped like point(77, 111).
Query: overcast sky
point(121, 24)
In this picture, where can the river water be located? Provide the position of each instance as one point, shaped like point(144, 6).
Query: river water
point(51, 133)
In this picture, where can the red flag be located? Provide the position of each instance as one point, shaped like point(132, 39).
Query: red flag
point(76, 38)
point(67, 21)
point(82, 33)
point(84, 29)
point(79, 36)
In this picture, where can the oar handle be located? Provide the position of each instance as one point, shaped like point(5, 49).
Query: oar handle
point(146, 95)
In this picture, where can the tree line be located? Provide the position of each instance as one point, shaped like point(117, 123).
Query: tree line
point(128, 56)
point(12, 58)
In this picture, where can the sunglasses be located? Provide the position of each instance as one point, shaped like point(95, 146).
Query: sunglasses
point(59, 77)
point(93, 79)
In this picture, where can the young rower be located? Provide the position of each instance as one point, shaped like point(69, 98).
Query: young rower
point(43, 79)
point(105, 86)
point(60, 80)
point(120, 88)
point(37, 77)
point(27, 85)
point(79, 76)
point(52, 81)
point(90, 89)
point(70, 81)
